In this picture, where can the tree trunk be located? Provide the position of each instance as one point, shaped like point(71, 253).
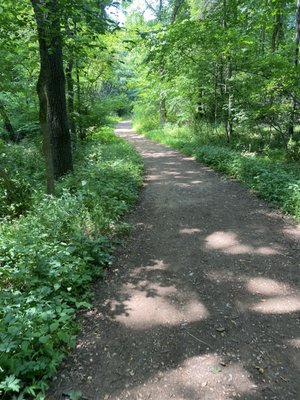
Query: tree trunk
point(228, 91)
point(51, 88)
point(162, 111)
point(70, 98)
point(227, 85)
point(296, 65)
point(42, 96)
point(56, 99)
point(12, 135)
point(79, 106)
point(216, 102)
point(47, 146)
point(175, 11)
point(278, 33)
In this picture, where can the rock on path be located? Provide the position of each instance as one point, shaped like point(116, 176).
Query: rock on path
point(202, 301)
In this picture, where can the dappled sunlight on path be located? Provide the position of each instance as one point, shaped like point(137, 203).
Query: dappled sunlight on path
point(202, 301)
point(149, 305)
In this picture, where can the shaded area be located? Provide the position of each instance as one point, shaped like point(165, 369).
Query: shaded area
point(202, 301)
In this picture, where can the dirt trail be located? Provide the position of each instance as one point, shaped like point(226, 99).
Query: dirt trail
point(202, 301)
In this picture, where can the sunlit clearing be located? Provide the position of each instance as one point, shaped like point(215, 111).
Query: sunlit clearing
point(152, 154)
point(151, 305)
point(229, 244)
point(188, 158)
point(170, 172)
point(265, 286)
point(190, 231)
point(155, 177)
point(277, 305)
point(200, 377)
point(294, 343)
point(123, 130)
point(182, 185)
point(293, 232)
point(157, 265)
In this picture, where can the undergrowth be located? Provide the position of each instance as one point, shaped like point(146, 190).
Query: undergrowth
point(269, 176)
point(52, 251)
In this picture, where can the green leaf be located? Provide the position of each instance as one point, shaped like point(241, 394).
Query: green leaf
point(44, 339)
point(74, 394)
point(10, 384)
point(54, 326)
point(216, 370)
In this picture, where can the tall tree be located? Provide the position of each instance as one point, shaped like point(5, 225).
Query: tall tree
point(296, 67)
point(51, 91)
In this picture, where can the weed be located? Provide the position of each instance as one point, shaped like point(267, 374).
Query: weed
point(50, 255)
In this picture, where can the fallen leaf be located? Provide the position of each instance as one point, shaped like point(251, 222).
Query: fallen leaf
point(260, 369)
point(216, 370)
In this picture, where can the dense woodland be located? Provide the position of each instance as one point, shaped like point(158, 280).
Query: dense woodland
point(227, 63)
point(216, 79)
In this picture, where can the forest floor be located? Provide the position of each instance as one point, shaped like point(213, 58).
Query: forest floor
point(203, 297)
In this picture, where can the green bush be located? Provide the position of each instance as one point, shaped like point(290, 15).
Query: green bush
point(97, 113)
point(49, 257)
point(146, 117)
point(21, 174)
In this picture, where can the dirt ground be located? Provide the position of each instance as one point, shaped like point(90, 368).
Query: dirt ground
point(202, 301)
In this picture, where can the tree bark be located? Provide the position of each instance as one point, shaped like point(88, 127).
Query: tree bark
point(12, 135)
point(175, 11)
point(227, 84)
point(56, 99)
point(228, 90)
point(278, 33)
point(51, 90)
point(296, 65)
point(79, 105)
point(70, 97)
point(42, 96)
point(47, 145)
point(162, 111)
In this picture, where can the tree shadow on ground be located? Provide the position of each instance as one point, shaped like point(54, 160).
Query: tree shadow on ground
point(202, 301)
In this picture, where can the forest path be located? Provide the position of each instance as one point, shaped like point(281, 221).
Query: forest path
point(201, 301)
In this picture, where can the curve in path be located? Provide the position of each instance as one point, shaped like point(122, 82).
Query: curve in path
point(203, 299)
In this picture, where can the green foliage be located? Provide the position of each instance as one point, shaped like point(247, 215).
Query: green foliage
point(223, 64)
point(49, 257)
point(145, 117)
point(293, 149)
point(21, 174)
point(99, 112)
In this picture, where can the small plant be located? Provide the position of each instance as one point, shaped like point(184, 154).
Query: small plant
point(50, 255)
point(293, 149)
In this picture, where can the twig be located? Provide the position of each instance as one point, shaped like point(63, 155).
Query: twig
point(199, 340)
point(285, 380)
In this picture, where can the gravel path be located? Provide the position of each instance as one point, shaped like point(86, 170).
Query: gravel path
point(202, 301)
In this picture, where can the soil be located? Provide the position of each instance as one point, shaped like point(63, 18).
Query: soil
point(202, 300)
